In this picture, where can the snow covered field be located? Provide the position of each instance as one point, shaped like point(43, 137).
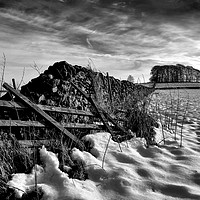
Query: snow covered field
point(167, 172)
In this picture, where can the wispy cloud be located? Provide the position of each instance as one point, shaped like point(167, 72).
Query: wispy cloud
point(121, 38)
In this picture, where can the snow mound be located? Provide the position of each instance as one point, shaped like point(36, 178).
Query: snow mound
point(54, 183)
point(130, 171)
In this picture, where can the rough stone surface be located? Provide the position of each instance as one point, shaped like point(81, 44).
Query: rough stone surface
point(53, 88)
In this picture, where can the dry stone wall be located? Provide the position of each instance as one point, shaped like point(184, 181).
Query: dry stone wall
point(53, 88)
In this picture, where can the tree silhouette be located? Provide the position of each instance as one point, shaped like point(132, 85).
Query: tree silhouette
point(174, 73)
point(130, 79)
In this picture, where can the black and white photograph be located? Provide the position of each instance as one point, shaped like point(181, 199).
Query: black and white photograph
point(100, 99)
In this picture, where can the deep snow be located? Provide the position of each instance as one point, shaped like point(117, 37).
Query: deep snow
point(166, 172)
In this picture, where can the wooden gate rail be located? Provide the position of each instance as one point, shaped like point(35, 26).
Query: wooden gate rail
point(45, 116)
point(20, 123)
point(19, 106)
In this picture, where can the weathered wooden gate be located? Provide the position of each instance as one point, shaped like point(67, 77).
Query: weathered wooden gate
point(23, 103)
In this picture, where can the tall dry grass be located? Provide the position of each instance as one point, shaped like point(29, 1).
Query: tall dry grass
point(170, 108)
point(131, 110)
point(14, 159)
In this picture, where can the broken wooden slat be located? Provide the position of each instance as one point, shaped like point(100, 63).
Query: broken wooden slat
point(81, 91)
point(20, 123)
point(65, 110)
point(18, 105)
point(114, 122)
point(35, 143)
point(31, 143)
point(44, 115)
point(82, 126)
point(102, 113)
point(11, 104)
point(4, 91)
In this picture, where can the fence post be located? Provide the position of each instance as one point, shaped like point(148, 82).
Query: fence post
point(13, 82)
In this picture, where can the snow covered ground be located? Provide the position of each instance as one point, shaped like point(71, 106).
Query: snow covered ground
point(167, 172)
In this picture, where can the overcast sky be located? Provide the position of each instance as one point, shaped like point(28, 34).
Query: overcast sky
point(119, 37)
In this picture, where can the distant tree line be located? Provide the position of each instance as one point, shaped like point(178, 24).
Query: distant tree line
point(174, 73)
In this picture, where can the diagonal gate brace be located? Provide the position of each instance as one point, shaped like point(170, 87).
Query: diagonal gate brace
point(44, 115)
point(104, 116)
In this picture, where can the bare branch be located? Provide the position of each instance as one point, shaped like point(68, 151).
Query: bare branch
point(23, 73)
point(36, 68)
point(3, 71)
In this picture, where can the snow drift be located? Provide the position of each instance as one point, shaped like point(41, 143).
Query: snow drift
point(166, 172)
